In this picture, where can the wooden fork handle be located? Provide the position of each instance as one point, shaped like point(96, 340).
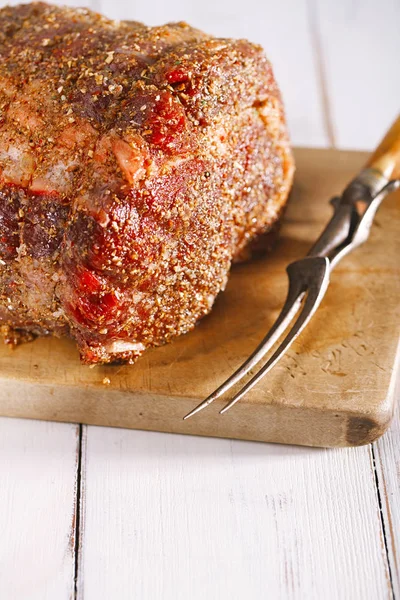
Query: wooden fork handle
point(386, 157)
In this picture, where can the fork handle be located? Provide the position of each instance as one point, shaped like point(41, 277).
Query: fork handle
point(386, 158)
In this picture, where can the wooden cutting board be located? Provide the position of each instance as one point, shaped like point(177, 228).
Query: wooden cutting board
point(335, 387)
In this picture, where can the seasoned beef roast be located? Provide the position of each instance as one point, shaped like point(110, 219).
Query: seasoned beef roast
point(136, 164)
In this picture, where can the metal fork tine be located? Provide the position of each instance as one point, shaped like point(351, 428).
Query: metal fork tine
point(315, 295)
point(287, 314)
point(292, 304)
point(298, 284)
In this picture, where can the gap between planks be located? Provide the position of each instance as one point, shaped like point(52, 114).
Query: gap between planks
point(79, 509)
point(381, 517)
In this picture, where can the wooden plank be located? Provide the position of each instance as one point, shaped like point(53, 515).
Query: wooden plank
point(360, 49)
point(329, 390)
point(280, 27)
point(362, 94)
point(38, 500)
point(38, 471)
point(180, 517)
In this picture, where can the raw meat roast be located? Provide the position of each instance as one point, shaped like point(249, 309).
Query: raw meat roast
point(136, 164)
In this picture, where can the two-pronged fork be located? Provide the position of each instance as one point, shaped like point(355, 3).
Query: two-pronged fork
point(349, 227)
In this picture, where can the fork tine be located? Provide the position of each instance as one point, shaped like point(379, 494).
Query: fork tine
point(315, 294)
point(287, 314)
point(291, 307)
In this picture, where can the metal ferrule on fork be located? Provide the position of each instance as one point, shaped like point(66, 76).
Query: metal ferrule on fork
point(353, 215)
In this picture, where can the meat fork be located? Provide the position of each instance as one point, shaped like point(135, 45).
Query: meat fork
point(349, 227)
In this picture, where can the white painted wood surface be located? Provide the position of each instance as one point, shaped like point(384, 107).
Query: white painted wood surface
point(38, 469)
point(170, 516)
point(167, 516)
point(360, 46)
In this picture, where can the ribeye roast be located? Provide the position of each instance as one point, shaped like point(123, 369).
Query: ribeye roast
point(136, 164)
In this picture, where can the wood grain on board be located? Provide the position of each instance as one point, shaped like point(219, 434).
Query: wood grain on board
point(333, 388)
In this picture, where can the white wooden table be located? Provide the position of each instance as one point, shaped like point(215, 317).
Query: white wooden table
point(100, 514)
